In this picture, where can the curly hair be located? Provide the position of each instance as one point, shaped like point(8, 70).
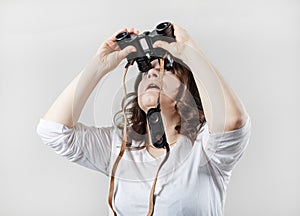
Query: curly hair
point(188, 106)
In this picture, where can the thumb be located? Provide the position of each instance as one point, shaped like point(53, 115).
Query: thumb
point(170, 47)
point(124, 52)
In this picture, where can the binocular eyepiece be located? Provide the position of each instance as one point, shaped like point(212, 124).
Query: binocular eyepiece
point(143, 43)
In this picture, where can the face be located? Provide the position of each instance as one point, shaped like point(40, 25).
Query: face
point(151, 85)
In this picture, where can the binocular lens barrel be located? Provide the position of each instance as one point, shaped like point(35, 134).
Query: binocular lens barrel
point(165, 29)
point(144, 64)
point(122, 36)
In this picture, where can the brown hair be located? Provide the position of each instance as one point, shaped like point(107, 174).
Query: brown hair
point(188, 106)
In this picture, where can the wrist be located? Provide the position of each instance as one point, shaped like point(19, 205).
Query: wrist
point(192, 56)
point(96, 67)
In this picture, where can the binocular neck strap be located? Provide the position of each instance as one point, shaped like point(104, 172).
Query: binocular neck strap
point(129, 63)
point(123, 146)
point(158, 103)
point(161, 76)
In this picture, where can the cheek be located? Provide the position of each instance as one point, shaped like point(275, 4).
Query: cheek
point(171, 86)
point(141, 88)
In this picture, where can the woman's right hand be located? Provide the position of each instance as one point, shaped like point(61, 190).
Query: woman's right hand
point(109, 54)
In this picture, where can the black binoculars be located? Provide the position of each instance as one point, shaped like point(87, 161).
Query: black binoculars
point(143, 43)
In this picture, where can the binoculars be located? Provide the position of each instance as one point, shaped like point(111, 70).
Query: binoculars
point(143, 43)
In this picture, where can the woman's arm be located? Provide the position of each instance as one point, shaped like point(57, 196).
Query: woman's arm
point(223, 109)
point(68, 106)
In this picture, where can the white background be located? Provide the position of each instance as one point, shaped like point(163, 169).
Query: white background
point(44, 44)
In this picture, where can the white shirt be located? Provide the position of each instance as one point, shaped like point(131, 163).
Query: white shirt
point(193, 181)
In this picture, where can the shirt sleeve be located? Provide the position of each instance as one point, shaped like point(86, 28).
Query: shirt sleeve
point(225, 149)
point(84, 145)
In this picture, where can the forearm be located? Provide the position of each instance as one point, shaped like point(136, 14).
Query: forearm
point(68, 106)
point(222, 108)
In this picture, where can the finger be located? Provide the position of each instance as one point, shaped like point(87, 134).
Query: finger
point(180, 33)
point(165, 45)
point(178, 28)
point(174, 48)
point(121, 30)
point(130, 30)
point(134, 31)
point(113, 37)
point(124, 52)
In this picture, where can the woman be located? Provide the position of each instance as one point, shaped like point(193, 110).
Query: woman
point(192, 177)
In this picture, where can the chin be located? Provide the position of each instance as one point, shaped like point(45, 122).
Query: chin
point(147, 101)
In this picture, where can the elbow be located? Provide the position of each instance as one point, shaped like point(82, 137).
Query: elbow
point(236, 122)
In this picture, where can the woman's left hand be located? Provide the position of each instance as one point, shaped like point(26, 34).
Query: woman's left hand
point(180, 46)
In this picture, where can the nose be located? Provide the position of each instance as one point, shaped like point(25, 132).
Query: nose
point(152, 73)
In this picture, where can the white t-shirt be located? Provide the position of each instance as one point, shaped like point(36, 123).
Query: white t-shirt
point(192, 182)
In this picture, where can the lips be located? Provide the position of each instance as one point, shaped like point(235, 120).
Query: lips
point(152, 86)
